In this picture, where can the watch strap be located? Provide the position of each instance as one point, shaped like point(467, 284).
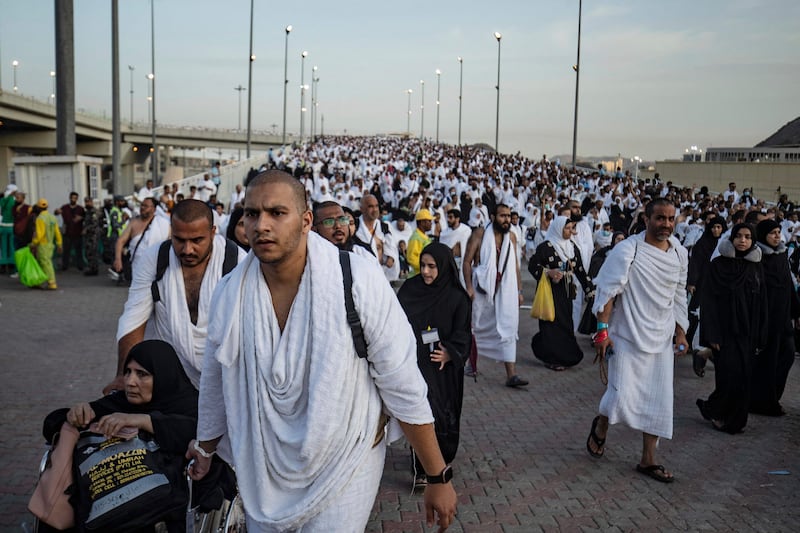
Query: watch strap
point(444, 476)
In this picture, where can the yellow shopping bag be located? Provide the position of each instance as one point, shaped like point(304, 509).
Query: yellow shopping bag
point(543, 307)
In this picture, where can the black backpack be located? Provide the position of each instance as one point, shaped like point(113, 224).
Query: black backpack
point(230, 262)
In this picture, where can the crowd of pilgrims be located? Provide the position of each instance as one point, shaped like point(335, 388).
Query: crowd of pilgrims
point(743, 268)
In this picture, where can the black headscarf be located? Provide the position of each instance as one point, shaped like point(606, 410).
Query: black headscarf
point(416, 297)
point(173, 393)
point(233, 220)
point(764, 228)
point(735, 229)
point(707, 234)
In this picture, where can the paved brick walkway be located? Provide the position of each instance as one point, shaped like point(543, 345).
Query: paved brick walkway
point(522, 464)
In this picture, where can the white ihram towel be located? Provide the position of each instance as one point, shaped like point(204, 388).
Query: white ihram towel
point(503, 299)
point(301, 408)
point(169, 319)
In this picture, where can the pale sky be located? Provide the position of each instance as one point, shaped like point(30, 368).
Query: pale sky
point(656, 76)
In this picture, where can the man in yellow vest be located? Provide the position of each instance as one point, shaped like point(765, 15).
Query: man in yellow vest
point(419, 240)
point(46, 238)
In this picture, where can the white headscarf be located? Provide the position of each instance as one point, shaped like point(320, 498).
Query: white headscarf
point(565, 248)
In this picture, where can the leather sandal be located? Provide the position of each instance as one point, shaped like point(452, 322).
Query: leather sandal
point(598, 442)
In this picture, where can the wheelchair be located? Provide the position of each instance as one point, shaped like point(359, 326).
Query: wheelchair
point(229, 518)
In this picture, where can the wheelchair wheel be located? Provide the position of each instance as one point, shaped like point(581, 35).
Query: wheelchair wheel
point(43, 464)
point(235, 521)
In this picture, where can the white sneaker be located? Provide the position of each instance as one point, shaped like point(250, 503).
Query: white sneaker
point(15, 275)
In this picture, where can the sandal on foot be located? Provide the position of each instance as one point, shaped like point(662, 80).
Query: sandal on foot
point(557, 368)
point(516, 381)
point(657, 472)
point(598, 442)
point(698, 364)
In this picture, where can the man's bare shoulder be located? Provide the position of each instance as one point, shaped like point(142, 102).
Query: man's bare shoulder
point(477, 233)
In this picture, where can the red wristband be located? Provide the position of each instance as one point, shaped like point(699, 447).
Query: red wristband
point(600, 336)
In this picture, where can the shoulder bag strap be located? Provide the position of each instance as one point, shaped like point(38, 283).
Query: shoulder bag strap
point(353, 319)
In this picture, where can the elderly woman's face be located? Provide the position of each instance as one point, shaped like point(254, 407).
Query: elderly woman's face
point(138, 383)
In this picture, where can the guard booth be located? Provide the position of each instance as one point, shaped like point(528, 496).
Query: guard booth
point(54, 176)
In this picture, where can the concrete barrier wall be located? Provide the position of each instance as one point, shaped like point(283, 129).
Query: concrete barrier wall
point(763, 178)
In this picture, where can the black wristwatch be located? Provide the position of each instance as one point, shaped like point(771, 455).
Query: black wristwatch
point(445, 476)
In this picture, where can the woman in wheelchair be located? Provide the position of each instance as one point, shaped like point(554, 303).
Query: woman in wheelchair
point(158, 403)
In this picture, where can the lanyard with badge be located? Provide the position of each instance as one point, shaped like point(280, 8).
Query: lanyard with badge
point(430, 337)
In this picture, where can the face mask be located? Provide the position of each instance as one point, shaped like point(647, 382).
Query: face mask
point(606, 233)
point(385, 218)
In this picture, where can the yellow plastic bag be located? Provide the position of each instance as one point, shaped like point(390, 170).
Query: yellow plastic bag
point(543, 307)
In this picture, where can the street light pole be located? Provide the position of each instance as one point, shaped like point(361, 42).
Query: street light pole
point(422, 109)
point(149, 79)
point(408, 122)
point(131, 69)
point(240, 89)
point(14, 65)
point(313, 101)
point(438, 94)
point(251, 58)
point(498, 36)
point(316, 108)
point(577, 79)
point(636, 161)
point(303, 94)
point(285, 78)
point(460, 93)
point(154, 161)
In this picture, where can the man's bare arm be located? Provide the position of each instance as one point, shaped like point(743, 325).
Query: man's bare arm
point(603, 316)
point(439, 497)
point(128, 341)
point(516, 267)
point(122, 240)
point(472, 249)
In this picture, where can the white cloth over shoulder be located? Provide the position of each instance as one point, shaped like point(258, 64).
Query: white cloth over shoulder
point(495, 314)
point(156, 233)
point(169, 319)
point(650, 286)
point(389, 246)
point(300, 407)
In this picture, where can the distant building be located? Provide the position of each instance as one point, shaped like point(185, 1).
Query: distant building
point(770, 168)
point(754, 155)
point(783, 146)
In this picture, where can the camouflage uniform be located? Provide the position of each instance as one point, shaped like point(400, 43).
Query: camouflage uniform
point(91, 230)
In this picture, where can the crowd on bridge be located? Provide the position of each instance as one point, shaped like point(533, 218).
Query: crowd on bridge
point(649, 268)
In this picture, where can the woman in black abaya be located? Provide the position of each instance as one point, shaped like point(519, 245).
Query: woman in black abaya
point(558, 258)
point(733, 325)
point(158, 400)
point(698, 267)
point(438, 309)
point(773, 364)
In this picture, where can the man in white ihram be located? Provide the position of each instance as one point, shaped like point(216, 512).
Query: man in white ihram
point(283, 381)
point(491, 274)
point(180, 317)
point(646, 274)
